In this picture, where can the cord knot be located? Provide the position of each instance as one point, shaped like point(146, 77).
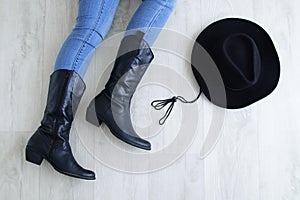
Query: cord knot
point(160, 104)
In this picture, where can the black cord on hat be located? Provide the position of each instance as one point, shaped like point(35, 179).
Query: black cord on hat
point(160, 104)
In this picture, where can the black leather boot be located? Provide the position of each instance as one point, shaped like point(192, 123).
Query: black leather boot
point(51, 140)
point(112, 105)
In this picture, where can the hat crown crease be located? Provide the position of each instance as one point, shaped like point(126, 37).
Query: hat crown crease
point(242, 54)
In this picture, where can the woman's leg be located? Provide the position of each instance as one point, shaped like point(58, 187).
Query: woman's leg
point(150, 18)
point(112, 105)
point(51, 140)
point(92, 24)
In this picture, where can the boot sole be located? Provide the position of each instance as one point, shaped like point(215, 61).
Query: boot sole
point(36, 158)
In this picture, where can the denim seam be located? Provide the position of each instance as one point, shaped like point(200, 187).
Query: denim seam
point(88, 37)
point(91, 30)
point(155, 17)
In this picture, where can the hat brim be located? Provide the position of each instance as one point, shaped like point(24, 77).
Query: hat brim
point(270, 64)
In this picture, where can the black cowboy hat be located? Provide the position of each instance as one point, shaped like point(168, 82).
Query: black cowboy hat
point(245, 58)
point(235, 64)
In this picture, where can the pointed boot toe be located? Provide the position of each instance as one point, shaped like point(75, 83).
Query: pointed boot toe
point(88, 175)
point(141, 143)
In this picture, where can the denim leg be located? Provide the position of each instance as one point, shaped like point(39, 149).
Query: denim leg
point(92, 25)
point(150, 18)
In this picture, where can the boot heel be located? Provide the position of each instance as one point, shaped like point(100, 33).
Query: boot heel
point(33, 157)
point(91, 116)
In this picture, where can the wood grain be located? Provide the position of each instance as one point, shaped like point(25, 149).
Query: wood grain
point(258, 153)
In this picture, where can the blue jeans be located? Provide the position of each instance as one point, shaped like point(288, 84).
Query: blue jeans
point(93, 22)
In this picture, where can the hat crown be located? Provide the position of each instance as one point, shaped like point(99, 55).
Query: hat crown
point(242, 62)
point(240, 58)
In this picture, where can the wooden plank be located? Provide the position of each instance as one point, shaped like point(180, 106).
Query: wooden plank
point(257, 156)
point(19, 179)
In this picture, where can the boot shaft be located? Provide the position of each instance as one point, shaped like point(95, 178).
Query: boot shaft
point(133, 59)
point(65, 91)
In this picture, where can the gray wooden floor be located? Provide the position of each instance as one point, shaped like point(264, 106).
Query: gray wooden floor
point(257, 155)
